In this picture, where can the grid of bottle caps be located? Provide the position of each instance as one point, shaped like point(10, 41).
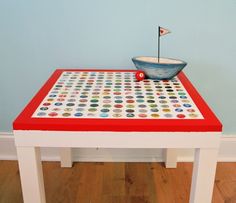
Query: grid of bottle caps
point(115, 95)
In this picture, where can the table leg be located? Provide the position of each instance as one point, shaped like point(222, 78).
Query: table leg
point(66, 157)
point(31, 174)
point(203, 175)
point(170, 157)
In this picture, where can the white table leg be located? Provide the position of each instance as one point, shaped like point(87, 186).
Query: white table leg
point(170, 157)
point(31, 174)
point(66, 157)
point(203, 175)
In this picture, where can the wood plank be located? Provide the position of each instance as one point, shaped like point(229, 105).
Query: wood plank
point(10, 188)
point(226, 181)
point(117, 183)
point(172, 185)
point(114, 179)
point(139, 183)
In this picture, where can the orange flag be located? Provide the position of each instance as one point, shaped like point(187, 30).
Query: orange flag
point(163, 31)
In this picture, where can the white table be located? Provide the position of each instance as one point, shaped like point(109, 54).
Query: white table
point(32, 132)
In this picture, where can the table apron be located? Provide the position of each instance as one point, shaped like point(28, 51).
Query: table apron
point(104, 139)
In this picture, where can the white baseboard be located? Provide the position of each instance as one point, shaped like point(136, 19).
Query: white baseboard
point(227, 152)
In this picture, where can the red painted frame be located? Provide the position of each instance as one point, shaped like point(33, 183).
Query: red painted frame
point(210, 123)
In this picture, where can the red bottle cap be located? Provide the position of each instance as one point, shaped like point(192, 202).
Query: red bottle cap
point(140, 75)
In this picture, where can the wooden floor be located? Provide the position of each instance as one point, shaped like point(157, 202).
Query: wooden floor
point(117, 183)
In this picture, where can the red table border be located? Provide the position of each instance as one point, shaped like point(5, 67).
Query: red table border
point(210, 123)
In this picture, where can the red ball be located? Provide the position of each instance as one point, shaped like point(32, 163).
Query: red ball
point(140, 75)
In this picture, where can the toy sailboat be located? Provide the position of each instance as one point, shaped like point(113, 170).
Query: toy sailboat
point(157, 67)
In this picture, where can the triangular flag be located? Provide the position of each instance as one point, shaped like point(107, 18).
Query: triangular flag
point(163, 31)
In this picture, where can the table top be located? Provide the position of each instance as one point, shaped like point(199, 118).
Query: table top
point(113, 100)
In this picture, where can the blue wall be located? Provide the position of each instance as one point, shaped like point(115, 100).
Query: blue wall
point(38, 36)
